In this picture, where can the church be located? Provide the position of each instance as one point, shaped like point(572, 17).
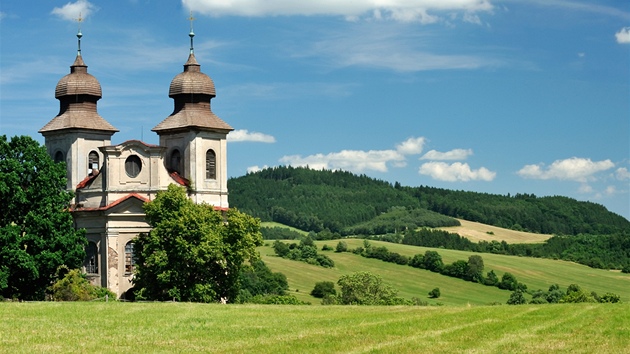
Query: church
point(112, 182)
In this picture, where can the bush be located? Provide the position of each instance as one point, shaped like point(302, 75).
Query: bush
point(508, 282)
point(323, 288)
point(365, 288)
point(324, 261)
point(341, 247)
point(326, 248)
point(75, 287)
point(277, 300)
point(610, 298)
point(435, 293)
point(517, 298)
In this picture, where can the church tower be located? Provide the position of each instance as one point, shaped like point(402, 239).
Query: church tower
point(194, 137)
point(77, 132)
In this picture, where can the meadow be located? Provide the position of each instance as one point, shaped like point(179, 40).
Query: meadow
point(115, 327)
point(536, 273)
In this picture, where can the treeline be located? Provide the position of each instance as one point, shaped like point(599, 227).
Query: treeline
point(317, 200)
point(597, 251)
point(471, 270)
point(524, 212)
point(341, 202)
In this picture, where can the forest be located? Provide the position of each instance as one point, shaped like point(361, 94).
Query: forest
point(343, 203)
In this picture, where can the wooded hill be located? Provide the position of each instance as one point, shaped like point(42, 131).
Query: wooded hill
point(314, 200)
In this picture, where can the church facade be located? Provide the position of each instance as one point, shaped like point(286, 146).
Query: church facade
point(112, 182)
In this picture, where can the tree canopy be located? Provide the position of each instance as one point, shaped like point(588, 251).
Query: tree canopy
point(37, 233)
point(193, 253)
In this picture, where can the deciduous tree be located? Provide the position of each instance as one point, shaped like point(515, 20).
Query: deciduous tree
point(193, 253)
point(37, 233)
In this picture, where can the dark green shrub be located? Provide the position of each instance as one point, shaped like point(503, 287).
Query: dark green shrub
point(341, 247)
point(323, 288)
point(435, 293)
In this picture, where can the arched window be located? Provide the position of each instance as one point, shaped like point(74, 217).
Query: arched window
point(176, 161)
point(93, 162)
point(133, 166)
point(59, 156)
point(130, 258)
point(211, 164)
point(91, 258)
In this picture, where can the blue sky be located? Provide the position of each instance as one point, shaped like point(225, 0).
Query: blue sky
point(481, 95)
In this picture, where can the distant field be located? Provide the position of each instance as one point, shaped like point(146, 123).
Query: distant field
point(46, 327)
point(476, 232)
point(537, 273)
point(277, 224)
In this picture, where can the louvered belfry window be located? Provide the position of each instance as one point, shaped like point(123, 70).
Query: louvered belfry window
point(211, 164)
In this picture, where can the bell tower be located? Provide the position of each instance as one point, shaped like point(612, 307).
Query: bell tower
point(194, 136)
point(77, 132)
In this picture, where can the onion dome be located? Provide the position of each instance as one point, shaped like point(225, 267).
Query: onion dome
point(192, 92)
point(77, 93)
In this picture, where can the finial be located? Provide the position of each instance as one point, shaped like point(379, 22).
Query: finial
point(191, 34)
point(79, 34)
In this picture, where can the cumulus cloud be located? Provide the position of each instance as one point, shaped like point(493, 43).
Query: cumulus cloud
point(572, 169)
point(454, 172)
point(358, 160)
point(623, 36)
point(72, 10)
point(245, 135)
point(622, 174)
point(453, 155)
point(411, 146)
point(422, 11)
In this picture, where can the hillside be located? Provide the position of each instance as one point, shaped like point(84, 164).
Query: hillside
point(312, 200)
point(476, 232)
point(536, 273)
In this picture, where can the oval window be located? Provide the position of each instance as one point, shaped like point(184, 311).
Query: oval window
point(133, 166)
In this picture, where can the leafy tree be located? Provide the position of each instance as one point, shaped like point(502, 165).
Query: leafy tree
point(517, 298)
point(433, 261)
point(258, 279)
point(193, 253)
point(342, 246)
point(324, 288)
point(457, 269)
point(575, 294)
point(417, 261)
point(365, 288)
point(281, 248)
point(435, 293)
point(508, 282)
point(474, 269)
point(610, 298)
point(37, 233)
point(491, 279)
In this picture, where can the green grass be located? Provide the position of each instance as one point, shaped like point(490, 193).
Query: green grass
point(536, 273)
point(272, 224)
point(185, 327)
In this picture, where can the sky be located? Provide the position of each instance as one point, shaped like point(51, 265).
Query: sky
point(492, 96)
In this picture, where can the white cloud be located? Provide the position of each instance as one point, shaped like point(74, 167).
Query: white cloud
point(245, 135)
point(411, 146)
point(622, 174)
point(397, 10)
point(72, 10)
point(453, 155)
point(349, 160)
point(253, 169)
point(359, 161)
point(610, 190)
point(454, 172)
point(585, 188)
point(572, 169)
point(623, 36)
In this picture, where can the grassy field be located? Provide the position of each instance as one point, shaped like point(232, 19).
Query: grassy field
point(185, 327)
point(536, 273)
point(476, 232)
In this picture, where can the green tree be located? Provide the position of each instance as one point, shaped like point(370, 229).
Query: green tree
point(324, 288)
point(474, 269)
point(491, 279)
point(342, 246)
point(258, 279)
point(193, 253)
point(517, 298)
point(365, 288)
point(508, 282)
point(433, 261)
point(435, 293)
point(37, 233)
